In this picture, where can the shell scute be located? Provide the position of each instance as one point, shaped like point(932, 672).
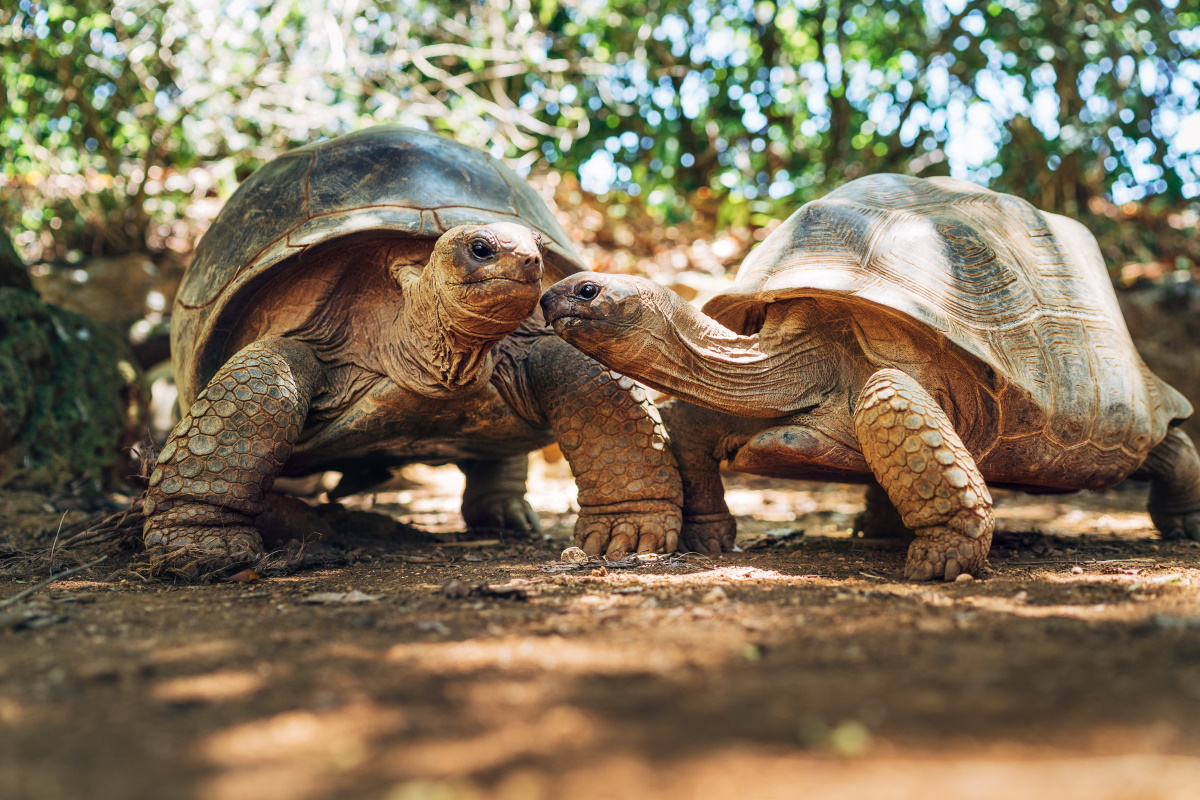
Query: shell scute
point(267, 204)
point(430, 171)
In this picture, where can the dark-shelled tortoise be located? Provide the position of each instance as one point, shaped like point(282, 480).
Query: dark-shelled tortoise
point(925, 336)
point(366, 302)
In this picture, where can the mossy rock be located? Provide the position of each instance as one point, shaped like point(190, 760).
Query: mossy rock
point(70, 396)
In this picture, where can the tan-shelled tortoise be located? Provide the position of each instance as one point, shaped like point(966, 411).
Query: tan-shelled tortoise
point(366, 302)
point(928, 335)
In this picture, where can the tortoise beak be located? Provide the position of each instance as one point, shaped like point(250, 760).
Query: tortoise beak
point(562, 305)
point(556, 303)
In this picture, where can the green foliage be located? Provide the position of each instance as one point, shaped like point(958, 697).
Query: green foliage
point(65, 386)
point(124, 125)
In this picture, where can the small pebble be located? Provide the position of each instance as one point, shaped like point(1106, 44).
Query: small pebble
point(574, 555)
point(1077, 570)
point(714, 595)
point(965, 577)
point(456, 589)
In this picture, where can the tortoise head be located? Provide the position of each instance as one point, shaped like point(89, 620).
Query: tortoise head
point(604, 315)
point(491, 272)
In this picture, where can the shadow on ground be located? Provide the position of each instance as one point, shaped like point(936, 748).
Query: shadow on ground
point(801, 667)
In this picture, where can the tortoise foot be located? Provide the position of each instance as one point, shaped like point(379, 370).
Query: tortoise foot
point(710, 534)
point(494, 496)
point(944, 553)
point(618, 533)
point(194, 552)
point(502, 513)
point(1175, 527)
point(1173, 468)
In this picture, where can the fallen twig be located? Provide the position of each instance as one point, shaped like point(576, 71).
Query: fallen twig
point(106, 526)
point(54, 544)
point(632, 561)
point(8, 601)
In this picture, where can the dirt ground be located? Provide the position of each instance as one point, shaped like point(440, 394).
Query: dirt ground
point(426, 668)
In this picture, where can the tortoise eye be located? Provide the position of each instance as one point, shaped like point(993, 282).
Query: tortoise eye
point(481, 249)
point(587, 291)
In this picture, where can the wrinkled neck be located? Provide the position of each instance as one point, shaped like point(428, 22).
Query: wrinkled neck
point(767, 375)
point(437, 348)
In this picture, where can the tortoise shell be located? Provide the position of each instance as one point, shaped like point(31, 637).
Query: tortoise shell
point(1023, 293)
point(385, 180)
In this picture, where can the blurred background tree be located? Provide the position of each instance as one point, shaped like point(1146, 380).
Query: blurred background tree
point(125, 125)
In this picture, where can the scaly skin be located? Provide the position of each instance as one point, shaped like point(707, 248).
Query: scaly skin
point(931, 479)
point(224, 455)
point(629, 488)
point(1173, 469)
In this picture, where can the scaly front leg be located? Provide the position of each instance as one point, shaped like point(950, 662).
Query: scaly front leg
point(931, 479)
point(224, 455)
point(629, 488)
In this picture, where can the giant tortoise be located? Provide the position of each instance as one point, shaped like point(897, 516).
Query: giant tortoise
point(927, 335)
point(366, 302)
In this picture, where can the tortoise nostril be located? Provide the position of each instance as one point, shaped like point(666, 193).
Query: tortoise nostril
point(531, 262)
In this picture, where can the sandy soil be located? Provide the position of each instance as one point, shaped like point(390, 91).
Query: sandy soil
point(803, 666)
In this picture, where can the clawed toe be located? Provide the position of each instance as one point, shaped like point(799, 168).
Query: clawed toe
point(922, 571)
point(621, 542)
point(952, 571)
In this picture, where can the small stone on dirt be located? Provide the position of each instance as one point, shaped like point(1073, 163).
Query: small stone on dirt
point(1076, 570)
point(965, 577)
point(574, 555)
point(456, 589)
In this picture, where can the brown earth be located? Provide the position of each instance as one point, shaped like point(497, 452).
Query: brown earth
point(803, 666)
